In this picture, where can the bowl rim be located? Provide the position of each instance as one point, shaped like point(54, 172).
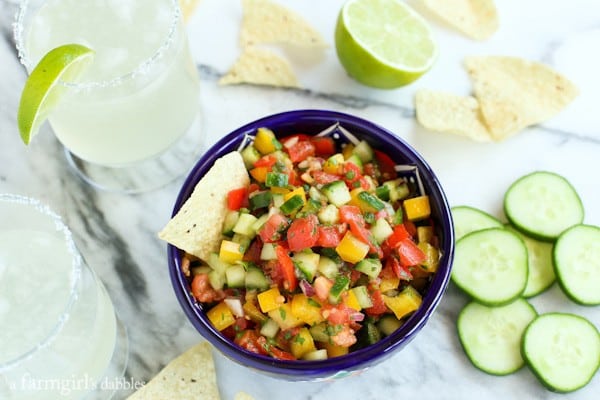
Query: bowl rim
point(358, 359)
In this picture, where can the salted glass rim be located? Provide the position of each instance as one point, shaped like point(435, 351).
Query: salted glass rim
point(76, 271)
point(142, 68)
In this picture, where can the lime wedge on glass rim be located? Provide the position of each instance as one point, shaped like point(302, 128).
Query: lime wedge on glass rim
point(43, 90)
point(383, 43)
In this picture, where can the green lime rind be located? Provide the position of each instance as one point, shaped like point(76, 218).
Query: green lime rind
point(42, 92)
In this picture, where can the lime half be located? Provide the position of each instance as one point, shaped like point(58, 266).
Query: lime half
point(383, 43)
point(42, 91)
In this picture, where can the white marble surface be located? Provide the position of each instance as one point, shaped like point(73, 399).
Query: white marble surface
point(117, 233)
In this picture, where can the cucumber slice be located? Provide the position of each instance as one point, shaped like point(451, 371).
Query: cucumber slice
point(491, 336)
point(577, 263)
point(491, 266)
point(468, 219)
point(541, 267)
point(562, 350)
point(542, 205)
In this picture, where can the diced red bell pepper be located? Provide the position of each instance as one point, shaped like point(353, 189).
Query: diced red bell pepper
point(329, 236)
point(387, 166)
point(323, 178)
point(236, 197)
point(410, 254)
point(301, 151)
point(400, 233)
point(271, 230)
point(274, 351)
point(324, 146)
point(302, 233)
point(286, 268)
point(400, 271)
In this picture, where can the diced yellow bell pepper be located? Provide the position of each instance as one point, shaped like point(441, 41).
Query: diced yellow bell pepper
point(265, 141)
point(424, 234)
point(230, 252)
point(334, 164)
point(221, 316)
point(432, 255)
point(302, 343)
point(298, 191)
point(333, 350)
point(270, 299)
point(407, 301)
point(279, 190)
point(351, 249)
point(351, 301)
point(389, 283)
point(254, 313)
point(347, 151)
point(284, 317)
point(259, 174)
point(306, 309)
point(417, 208)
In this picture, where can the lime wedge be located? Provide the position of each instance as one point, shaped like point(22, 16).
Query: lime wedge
point(42, 91)
point(383, 43)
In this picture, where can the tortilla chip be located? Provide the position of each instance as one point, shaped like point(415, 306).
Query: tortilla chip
point(515, 93)
point(196, 228)
point(187, 8)
point(261, 67)
point(243, 396)
point(477, 19)
point(449, 113)
point(190, 376)
point(267, 22)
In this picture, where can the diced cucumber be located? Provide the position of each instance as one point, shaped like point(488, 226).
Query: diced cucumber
point(577, 262)
point(381, 230)
point(329, 215)
point(397, 189)
point(369, 202)
point(260, 200)
point(278, 200)
point(542, 205)
point(383, 192)
point(541, 267)
point(364, 151)
point(314, 194)
point(369, 266)
point(368, 334)
point(269, 328)
point(340, 285)
point(320, 332)
point(230, 221)
point(244, 225)
point(398, 217)
point(276, 179)
point(491, 266)
point(268, 252)
point(328, 268)
point(242, 240)
point(216, 279)
point(215, 263)
point(292, 205)
point(307, 263)
point(201, 269)
point(468, 219)
point(256, 226)
point(320, 354)
point(388, 324)
point(562, 350)
point(310, 207)
point(337, 193)
point(362, 296)
point(236, 276)
point(250, 155)
point(491, 336)
point(256, 279)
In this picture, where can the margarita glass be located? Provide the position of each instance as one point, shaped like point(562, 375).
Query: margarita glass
point(131, 123)
point(60, 337)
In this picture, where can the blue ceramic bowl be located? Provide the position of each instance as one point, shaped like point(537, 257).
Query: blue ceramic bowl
point(313, 122)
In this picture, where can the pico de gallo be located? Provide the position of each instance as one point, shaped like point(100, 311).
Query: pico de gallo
point(325, 252)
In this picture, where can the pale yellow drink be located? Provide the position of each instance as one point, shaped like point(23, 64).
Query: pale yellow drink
point(139, 96)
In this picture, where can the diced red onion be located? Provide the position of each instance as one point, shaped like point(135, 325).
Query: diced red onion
point(307, 288)
point(357, 316)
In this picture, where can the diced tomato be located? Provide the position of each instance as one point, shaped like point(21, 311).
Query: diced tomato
point(352, 175)
point(400, 233)
point(387, 166)
point(286, 267)
point(371, 170)
point(253, 252)
point(273, 350)
point(378, 306)
point(345, 337)
point(272, 229)
point(236, 197)
point(352, 216)
point(266, 161)
point(322, 287)
point(253, 188)
point(324, 146)
point(290, 141)
point(400, 271)
point(293, 178)
point(323, 178)
point(203, 291)
point(301, 151)
point(329, 236)
point(337, 314)
point(302, 233)
point(240, 325)
point(249, 340)
point(410, 254)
